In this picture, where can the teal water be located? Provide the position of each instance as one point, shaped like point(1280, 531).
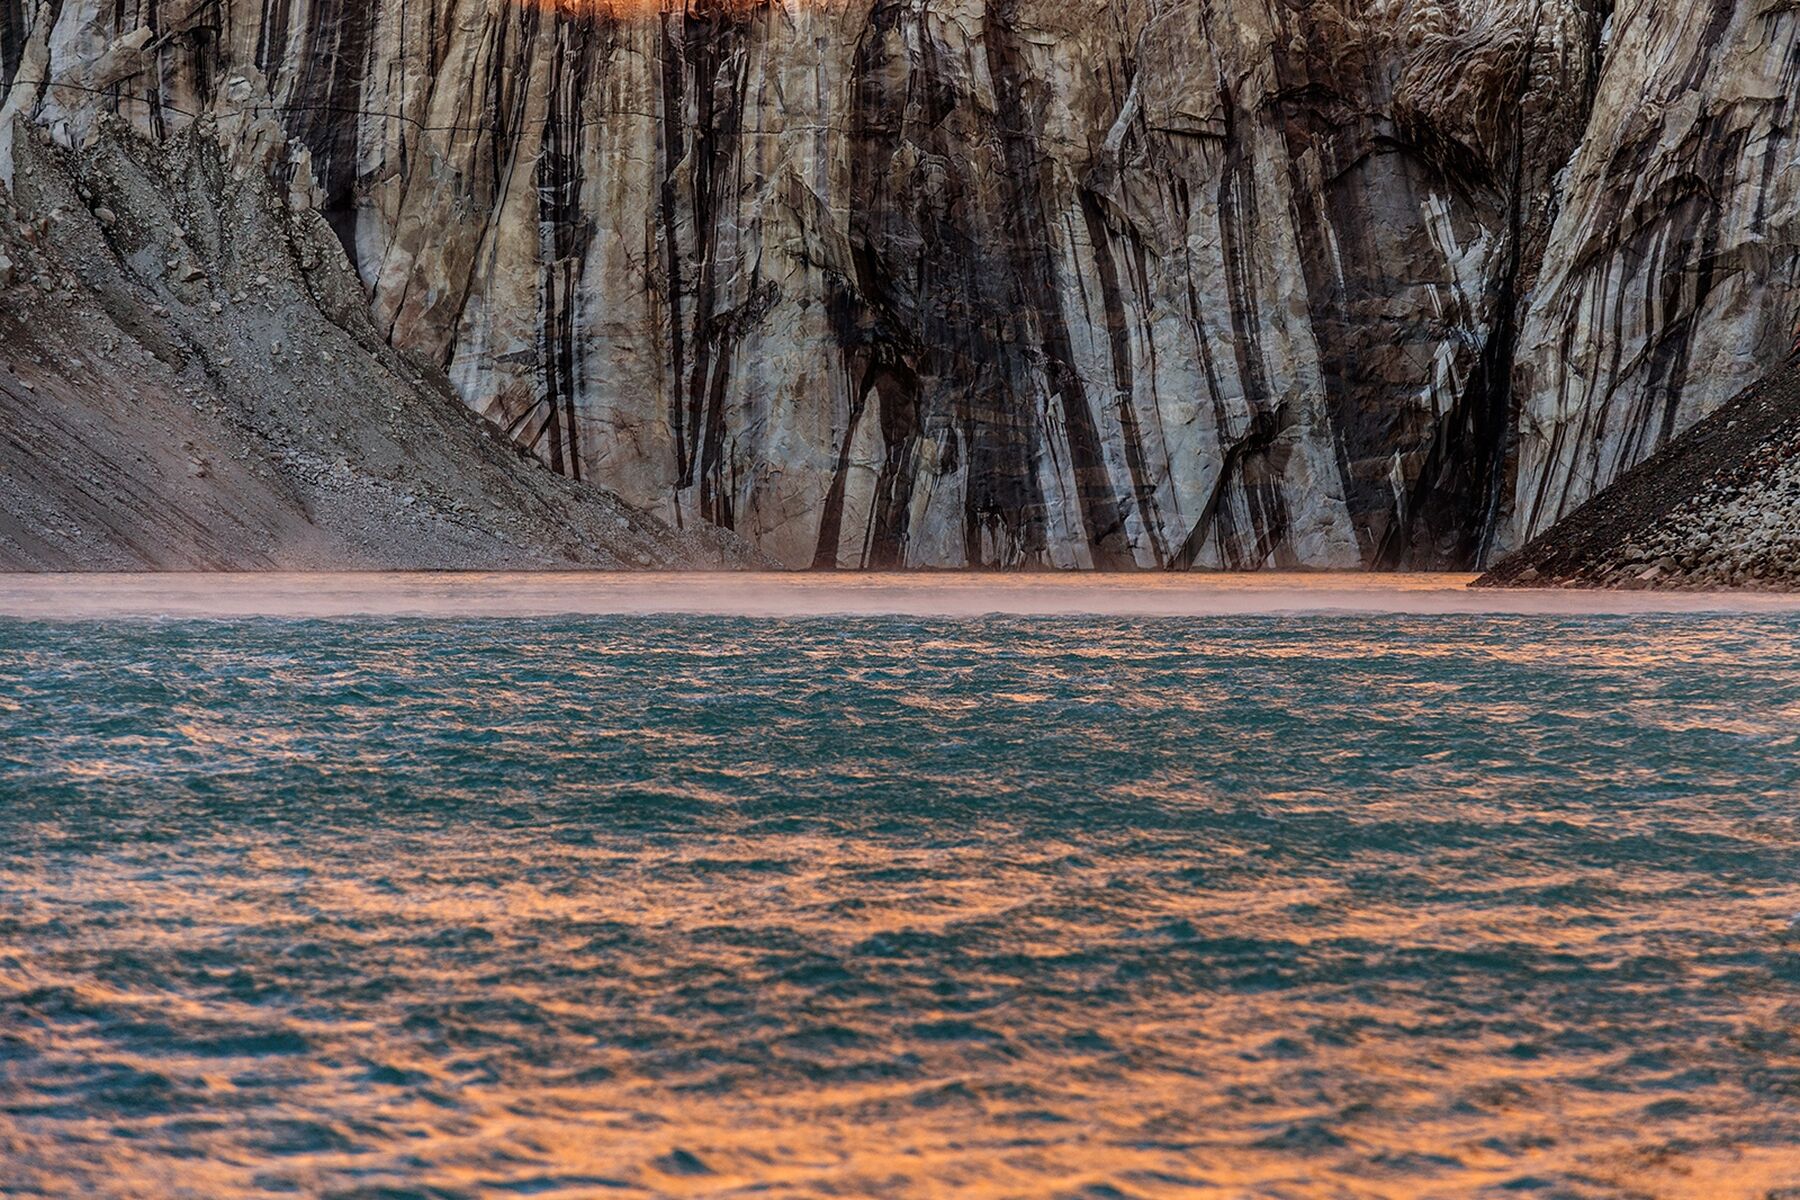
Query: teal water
point(1306, 905)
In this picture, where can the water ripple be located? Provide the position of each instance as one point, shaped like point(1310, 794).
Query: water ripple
point(1357, 905)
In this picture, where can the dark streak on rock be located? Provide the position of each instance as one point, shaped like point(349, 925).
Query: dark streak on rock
point(564, 234)
point(1028, 242)
point(331, 84)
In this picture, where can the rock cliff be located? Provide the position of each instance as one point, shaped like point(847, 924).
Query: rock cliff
point(1154, 283)
point(189, 379)
point(1718, 507)
point(1672, 280)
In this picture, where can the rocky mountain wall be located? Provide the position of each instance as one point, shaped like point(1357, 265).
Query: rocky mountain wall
point(189, 380)
point(1154, 283)
point(1672, 279)
point(1716, 508)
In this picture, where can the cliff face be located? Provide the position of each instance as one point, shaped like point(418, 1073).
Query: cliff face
point(1718, 507)
point(189, 380)
point(1672, 281)
point(1133, 282)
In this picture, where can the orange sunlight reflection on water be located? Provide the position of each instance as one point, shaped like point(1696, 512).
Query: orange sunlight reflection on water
point(978, 1116)
point(1368, 905)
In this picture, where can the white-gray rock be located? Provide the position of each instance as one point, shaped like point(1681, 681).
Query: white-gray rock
point(1135, 282)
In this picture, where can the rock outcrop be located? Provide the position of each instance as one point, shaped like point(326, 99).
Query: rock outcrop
point(1719, 507)
point(189, 379)
point(1672, 280)
point(1152, 283)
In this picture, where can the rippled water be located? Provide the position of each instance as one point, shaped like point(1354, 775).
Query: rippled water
point(1308, 905)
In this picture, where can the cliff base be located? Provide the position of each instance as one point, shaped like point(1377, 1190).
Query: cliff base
point(190, 379)
point(1718, 508)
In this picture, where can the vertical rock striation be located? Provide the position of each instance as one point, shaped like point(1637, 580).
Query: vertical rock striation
point(900, 283)
point(1673, 276)
point(190, 380)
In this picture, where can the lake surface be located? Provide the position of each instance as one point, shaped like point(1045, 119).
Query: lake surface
point(588, 886)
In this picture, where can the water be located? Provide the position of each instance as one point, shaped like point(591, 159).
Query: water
point(1317, 904)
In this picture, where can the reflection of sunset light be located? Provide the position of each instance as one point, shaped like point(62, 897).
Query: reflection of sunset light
point(798, 595)
point(589, 982)
point(1409, 903)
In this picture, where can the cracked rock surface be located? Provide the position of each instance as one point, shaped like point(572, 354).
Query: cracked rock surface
point(1152, 283)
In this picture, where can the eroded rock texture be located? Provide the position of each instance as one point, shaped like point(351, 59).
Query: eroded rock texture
point(1162, 283)
point(189, 380)
point(1670, 284)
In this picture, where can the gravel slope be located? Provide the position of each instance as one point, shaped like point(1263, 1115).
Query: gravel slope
point(1718, 508)
point(189, 379)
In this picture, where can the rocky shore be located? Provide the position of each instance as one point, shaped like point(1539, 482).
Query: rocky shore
point(190, 379)
point(1717, 508)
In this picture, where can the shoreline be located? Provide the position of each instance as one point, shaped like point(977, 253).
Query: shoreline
point(947, 595)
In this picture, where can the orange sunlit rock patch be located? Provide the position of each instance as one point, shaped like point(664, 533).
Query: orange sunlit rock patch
point(649, 8)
